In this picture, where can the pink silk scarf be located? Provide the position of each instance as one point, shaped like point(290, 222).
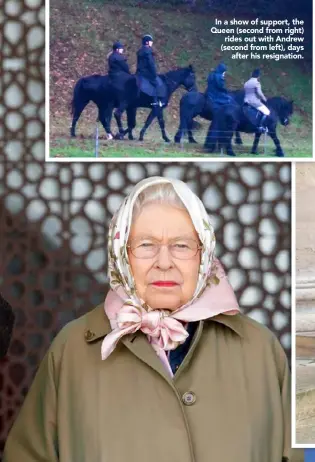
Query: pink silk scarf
point(164, 329)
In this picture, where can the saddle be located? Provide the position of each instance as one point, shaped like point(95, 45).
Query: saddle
point(146, 87)
point(252, 114)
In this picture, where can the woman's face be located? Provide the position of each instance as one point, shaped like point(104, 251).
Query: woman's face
point(164, 282)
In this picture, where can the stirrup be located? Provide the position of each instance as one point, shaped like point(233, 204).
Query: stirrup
point(262, 129)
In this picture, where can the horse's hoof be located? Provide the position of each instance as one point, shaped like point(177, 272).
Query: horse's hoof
point(140, 138)
point(110, 137)
point(167, 140)
point(280, 154)
point(209, 148)
point(192, 141)
point(254, 152)
point(231, 153)
point(72, 135)
point(130, 138)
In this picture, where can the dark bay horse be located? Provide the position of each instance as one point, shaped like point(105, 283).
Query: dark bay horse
point(97, 88)
point(194, 104)
point(232, 119)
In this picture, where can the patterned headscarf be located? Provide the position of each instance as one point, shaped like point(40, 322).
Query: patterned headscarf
point(128, 313)
point(119, 270)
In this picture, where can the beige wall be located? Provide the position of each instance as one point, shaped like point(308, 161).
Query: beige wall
point(305, 217)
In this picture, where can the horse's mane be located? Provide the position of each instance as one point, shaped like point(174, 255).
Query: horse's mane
point(169, 76)
point(277, 102)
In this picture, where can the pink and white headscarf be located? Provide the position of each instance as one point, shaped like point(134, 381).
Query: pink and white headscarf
point(127, 313)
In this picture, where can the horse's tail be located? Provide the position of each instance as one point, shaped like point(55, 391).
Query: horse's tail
point(186, 111)
point(76, 94)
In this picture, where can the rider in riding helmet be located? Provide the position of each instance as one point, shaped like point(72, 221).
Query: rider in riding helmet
point(146, 66)
point(217, 94)
point(255, 97)
point(119, 73)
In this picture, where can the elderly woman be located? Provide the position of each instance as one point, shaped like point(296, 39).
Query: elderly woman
point(168, 370)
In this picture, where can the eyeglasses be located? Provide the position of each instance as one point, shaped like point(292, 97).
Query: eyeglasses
point(183, 249)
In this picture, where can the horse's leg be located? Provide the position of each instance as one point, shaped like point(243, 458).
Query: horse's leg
point(183, 126)
point(117, 116)
point(76, 115)
point(105, 116)
point(273, 136)
point(131, 118)
point(225, 139)
point(255, 144)
point(162, 125)
point(147, 124)
point(179, 134)
point(238, 139)
point(212, 137)
point(181, 130)
point(228, 145)
point(191, 138)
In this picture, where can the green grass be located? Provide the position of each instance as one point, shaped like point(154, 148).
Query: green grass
point(125, 149)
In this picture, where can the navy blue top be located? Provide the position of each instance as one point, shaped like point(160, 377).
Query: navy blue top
point(177, 356)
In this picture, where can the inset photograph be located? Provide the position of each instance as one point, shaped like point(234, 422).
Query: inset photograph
point(156, 294)
point(305, 305)
point(179, 79)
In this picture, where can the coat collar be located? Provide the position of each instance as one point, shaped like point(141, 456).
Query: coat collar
point(97, 324)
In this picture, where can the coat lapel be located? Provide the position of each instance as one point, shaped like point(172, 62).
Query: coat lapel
point(138, 345)
point(98, 325)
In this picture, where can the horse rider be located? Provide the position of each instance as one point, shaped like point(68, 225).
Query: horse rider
point(118, 73)
point(146, 67)
point(217, 94)
point(254, 97)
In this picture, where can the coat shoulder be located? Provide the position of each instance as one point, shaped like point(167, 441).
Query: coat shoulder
point(257, 333)
point(91, 326)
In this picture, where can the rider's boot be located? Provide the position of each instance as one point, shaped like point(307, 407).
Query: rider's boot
point(262, 128)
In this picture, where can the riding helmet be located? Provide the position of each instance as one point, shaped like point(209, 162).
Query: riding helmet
point(117, 46)
point(147, 38)
point(256, 73)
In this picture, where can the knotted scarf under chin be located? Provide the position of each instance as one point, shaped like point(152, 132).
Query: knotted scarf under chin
point(164, 328)
point(165, 332)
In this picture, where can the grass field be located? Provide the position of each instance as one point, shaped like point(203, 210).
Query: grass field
point(82, 33)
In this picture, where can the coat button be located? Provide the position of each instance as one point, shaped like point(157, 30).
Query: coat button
point(88, 335)
point(189, 398)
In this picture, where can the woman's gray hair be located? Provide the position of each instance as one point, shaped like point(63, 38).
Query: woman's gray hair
point(163, 193)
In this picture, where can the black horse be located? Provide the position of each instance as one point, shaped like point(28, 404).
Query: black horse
point(195, 104)
point(97, 88)
point(232, 118)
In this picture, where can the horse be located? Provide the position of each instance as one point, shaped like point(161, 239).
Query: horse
point(195, 104)
point(172, 80)
point(97, 88)
point(231, 118)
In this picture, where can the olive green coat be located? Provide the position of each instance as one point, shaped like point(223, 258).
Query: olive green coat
point(127, 409)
